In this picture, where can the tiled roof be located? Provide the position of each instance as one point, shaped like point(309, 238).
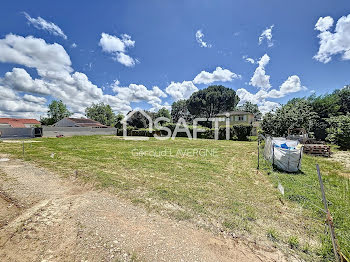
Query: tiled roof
point(86, 122)
point(18, 122)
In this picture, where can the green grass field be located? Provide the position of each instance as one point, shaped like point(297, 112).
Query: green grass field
point(214, 184)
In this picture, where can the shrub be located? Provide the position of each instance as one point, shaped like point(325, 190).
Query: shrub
point(222, 133)
point(242, 131)
point(339, 131)
point(208, 134)
point(141, 133)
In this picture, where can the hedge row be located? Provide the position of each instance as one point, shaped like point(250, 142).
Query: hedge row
point(238, 132)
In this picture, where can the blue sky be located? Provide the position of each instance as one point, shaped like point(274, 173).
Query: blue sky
point(153, 43)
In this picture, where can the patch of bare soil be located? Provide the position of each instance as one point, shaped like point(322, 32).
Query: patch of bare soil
point(8, 209)
point(47, 218)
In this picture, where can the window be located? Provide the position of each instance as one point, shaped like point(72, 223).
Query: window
point(240, 118)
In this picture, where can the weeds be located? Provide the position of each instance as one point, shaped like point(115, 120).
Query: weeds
point(272, 235)
point(293, 242)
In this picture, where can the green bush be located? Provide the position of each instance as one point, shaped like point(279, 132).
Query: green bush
point(339, 131)
point(141, 133)
point(242, 131)
point(208, 133)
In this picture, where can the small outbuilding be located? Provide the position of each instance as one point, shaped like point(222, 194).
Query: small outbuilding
point(79, 122)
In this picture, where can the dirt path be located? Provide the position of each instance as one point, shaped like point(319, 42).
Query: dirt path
point(46, 218)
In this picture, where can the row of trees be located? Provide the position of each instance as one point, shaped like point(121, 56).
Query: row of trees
point(324, 117)
point(203, 103)
point(101, 112)
point(209, 102)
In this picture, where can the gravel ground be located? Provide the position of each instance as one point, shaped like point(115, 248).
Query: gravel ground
point(48, 218)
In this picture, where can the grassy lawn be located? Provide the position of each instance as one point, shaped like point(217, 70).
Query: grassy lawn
point(218, 189)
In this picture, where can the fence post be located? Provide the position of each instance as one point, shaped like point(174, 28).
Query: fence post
point(258, 152)
point(273, 155)
point(329, 218)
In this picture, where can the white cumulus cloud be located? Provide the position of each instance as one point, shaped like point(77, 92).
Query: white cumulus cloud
point(42, 24)
point(268, 106)
point(118, 47)
point(218, 75)
point(324, 23)
point(34, 53)
point(291, 85)
point(21, 95)
point(182, 90)
point(334, 43)
point(137, 93)
point(34, 99)
point(260, 79)
point(157, 106)
point(267, 34)
point(18, 79)
point(125, 59)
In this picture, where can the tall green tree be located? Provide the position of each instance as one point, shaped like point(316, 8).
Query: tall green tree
point(118, 119)
point(339, 130)
point(179, 110)
point(295, 114)
point(251, 108)
point(344, 99)
point(57, 111)
point(212, 100)
point(163, 112)
point(102, 113)
point(326, 105)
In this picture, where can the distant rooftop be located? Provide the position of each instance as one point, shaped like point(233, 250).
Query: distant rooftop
point(86, 122)
point(19, 122)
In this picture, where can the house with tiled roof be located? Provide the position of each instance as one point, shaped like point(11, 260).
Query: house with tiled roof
point(18, 123)
point(79, 122)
